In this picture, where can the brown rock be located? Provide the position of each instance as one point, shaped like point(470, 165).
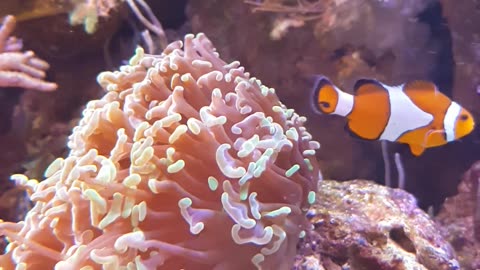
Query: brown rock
point(459, 219)
point(368, 226)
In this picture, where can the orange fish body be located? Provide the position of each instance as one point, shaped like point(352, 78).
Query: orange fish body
point(414, 113)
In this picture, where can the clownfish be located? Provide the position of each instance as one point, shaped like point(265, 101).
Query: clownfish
point(415, 113)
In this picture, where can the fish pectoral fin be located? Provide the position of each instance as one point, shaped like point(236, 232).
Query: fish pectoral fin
point(416, 149)
point(430, 133)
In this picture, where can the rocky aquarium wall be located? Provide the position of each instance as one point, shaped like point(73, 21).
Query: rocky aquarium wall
point(151, 134)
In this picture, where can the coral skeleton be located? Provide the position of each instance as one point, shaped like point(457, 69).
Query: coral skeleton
point(87, 12)
point(299, 9)
point(187, 162)
point(17, 68)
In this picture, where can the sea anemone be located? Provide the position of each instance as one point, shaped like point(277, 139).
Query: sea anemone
point(185, 163)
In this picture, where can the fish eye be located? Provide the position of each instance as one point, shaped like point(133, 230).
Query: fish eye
point(463, 117)
point(325, 104)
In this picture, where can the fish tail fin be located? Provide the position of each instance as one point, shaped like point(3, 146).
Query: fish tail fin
point(326, 96)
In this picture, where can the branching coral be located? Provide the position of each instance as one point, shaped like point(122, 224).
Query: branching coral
point(17, 68)
point(291, 13)
point(87, 12)
point(299, 9)
point(185, 163)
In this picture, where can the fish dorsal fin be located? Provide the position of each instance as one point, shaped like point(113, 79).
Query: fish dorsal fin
point(367, 86)
point(420, 85)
